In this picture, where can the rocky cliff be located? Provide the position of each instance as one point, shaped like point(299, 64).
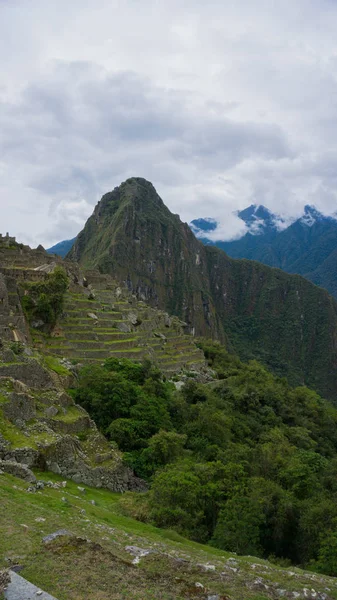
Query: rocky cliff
point(42, 428)
point(259, 312)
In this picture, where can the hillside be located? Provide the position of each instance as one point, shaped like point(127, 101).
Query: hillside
point(97, 558)
point(62, 248)
point(41, 427)
point(97, 318)
point(223, 452)
point(246, 463)
point(307, 246)
point(133, 236)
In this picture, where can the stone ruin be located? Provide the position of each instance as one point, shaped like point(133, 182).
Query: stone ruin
point(7, 240)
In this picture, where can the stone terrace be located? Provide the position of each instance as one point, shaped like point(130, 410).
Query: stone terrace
point(101, 318)
point(109, 322)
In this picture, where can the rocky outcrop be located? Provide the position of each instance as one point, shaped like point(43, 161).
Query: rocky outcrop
point(68, 459)
point(18, 470)
point(45, 429)
point(19, 406)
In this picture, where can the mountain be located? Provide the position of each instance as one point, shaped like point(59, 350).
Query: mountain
point(258, 312)
point(98, 317)
point(62, 248)
point(308, 246)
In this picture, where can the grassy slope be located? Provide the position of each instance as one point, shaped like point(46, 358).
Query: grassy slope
point(103, 569)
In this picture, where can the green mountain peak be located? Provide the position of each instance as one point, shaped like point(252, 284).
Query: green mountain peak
point(257, 311)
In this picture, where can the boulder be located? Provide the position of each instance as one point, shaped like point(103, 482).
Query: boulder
point(51, 411)
point(92, 316)
point(124, 327)
point(17, 470)
point(19, 406)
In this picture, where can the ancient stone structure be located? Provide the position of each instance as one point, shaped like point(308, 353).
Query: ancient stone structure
point(46, 430)
point(7, 240)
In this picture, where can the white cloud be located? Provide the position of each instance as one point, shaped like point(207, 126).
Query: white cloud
point(220, 105)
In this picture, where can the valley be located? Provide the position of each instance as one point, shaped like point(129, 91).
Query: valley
point(135, 418)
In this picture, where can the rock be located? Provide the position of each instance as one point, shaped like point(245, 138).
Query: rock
point(92, 316)
point(81, 489)
point(64, 399)
point(20, 588)
point(53, 536)
point(29, 372)
point(8, 356)
point(19, 406)
point(20, 387)
point(138, 553)
point(47, 267)
point(28, 351)
point(179, 384)
point(93, 502)
point(51, 411)
point(167, 321)
point(124, 327)
point(18, 470)
point(160, 335)
point(133, 318)
point(207, 567)
point(20, 424)
point(37, 324)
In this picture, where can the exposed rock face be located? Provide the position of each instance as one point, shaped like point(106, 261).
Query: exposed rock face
point(18, 470)
point(67, 458)
point(29, 372)
point(19, 406)
point(12, 322)
point(282, 320)
point(46, 423)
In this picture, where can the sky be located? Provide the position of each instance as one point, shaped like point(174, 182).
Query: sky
point(219, 104)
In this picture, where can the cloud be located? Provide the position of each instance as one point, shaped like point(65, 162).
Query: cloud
point(219, 105)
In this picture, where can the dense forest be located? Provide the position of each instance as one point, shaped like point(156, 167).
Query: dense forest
point(245, 463)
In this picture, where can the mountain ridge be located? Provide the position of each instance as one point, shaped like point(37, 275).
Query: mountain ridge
point(133, 236)
point(308, 246)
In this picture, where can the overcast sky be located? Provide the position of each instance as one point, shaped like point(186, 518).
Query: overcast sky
point(219, 104)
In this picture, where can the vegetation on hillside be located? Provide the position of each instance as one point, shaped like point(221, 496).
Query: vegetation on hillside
point(246, 463)
point(133, 236)
point(95, 559)
point(307, 247)
point(42, 301)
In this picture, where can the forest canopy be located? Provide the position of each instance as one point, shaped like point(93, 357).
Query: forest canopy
point(245, 463)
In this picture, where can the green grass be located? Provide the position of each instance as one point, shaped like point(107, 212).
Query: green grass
point(17, 438)
point(103, 569)
point(54, 364)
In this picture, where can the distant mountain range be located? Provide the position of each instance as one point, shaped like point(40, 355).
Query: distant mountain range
point(62, 248)
point(308, 246)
